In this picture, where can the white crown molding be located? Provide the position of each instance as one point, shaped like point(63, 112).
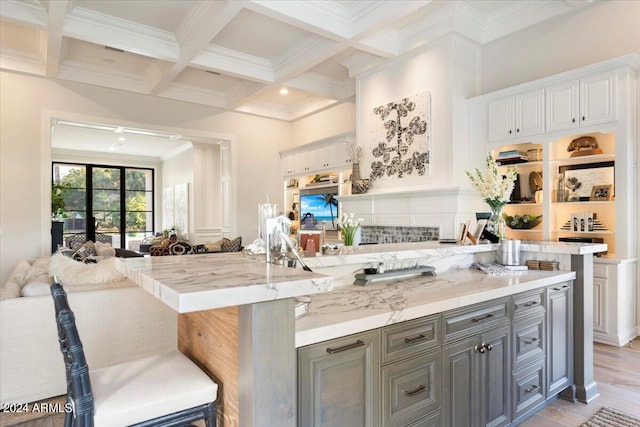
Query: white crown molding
point(21, 63)
point(310, 106)
point(242, 93)
point(93, 27)
point(186, 93)
point(385, 43)
point(234, 63)
point(360, 62)
point(264, 109)
point(27, 13)
point(94, 75)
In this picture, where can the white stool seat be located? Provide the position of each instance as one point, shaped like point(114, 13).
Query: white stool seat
point(147, 388)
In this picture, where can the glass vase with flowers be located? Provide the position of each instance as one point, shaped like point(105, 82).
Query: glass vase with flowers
point(348, 225)
point(495, 188)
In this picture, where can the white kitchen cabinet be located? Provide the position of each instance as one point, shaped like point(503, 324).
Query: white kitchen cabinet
point(614, 301)
point(516, 116)
point(583, 102)
point(315, 157)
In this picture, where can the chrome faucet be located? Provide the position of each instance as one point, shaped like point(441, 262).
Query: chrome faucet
point(278, 229)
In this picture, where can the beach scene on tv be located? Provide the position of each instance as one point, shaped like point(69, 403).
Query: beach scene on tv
point(322, 208)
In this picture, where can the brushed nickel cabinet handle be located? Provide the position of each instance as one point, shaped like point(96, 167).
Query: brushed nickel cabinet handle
point(345, 347)
point(561, 287)
point(420, 389)
point(482, 319)
point(530, 340)
point(531, 304)
point(532, 389)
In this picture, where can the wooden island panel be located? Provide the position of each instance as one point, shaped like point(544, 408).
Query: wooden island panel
point(210, 338)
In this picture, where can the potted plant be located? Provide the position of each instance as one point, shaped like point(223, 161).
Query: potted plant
point(58, 204)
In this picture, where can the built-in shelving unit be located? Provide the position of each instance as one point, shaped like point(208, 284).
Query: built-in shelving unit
point(598, 101)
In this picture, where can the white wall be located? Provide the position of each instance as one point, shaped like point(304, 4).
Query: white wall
point(333, 121)
point(436, 69)
point(24, 188)
point(606, 30)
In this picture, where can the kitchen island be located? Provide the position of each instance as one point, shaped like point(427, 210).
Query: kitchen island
point(236, 314)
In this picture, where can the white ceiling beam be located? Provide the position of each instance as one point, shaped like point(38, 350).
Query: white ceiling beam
point(96, 76)
point(306, 54)
point(93, 27)
point(234, 63)
point(205, 20)
point(57, 12)
point(26, 13)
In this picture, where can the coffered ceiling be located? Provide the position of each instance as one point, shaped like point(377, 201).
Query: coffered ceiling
point(236, 55)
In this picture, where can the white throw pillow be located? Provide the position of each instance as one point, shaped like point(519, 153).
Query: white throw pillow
point(72, 273)
point(36, 288)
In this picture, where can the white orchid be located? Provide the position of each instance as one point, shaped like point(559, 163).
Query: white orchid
point(348, 226)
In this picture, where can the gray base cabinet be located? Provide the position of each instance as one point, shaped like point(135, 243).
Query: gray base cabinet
point(339, 382)
point(489, 364)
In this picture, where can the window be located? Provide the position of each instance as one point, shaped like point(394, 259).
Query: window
point(105, 203)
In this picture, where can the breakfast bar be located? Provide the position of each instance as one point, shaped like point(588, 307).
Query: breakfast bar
point(237, 314)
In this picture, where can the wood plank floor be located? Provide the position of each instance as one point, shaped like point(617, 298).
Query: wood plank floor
point(616, 370)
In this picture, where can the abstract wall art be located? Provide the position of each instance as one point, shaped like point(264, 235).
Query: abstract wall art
point(402, 140)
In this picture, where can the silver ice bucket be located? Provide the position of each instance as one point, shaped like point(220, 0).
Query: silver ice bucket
point(510, 252)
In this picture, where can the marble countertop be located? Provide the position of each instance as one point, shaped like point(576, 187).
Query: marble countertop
point(404, 251)
point(208, 281)
point(352, 309)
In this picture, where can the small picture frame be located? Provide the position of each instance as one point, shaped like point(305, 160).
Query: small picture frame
point(601, 192)
point(462, 233)
point(482, 223)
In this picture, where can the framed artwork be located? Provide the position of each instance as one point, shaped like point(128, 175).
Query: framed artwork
point(601, 192)
point(401, 138)
point(589, 175)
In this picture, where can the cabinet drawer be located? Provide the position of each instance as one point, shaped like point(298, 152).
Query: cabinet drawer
point(433, 420)
point(465, 321)
point(407, 339)
point(528, 389)
point(528, 303)
point(528, 340)
point(600, 270)
point(410, 389)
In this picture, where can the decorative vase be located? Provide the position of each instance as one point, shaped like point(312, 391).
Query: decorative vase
point(355, 173)
point(499, 223)
point(347, 236)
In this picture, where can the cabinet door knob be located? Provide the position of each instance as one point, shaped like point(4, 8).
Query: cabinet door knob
point(518, 130)
point(573, 120)
point(510, 132)
point(583, 118)
point(479, 349)
point(487, 346)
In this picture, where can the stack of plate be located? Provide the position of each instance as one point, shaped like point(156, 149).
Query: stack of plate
point(533, 264)
point(549, 265)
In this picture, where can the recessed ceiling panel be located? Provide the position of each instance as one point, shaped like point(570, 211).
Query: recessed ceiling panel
point(258, 35)
point(272, 96)
point(163, 15)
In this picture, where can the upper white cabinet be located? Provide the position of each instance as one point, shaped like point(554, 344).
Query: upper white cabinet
point(516, 116)
point(583, 102)
point(329, 154)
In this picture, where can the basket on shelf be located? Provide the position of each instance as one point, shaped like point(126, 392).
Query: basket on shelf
point(522, 222)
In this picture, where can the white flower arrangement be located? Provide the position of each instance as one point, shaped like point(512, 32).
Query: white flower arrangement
point(494, 187)
point(353, 150)
point(348, 226)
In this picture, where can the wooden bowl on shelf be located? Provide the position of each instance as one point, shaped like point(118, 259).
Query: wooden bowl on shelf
point(522, 222)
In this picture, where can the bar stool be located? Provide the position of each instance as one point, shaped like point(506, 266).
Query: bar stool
point(165, 389)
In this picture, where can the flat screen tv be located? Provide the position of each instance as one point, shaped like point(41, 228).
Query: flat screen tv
point(319, 204)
